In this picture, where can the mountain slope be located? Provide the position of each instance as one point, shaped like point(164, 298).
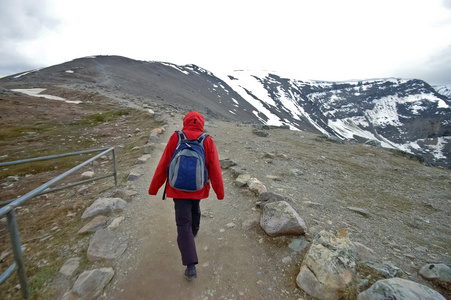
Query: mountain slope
point(444, 90)
point(187, 87)
point(408, 115)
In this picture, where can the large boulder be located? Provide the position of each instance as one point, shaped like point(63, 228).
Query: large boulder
point(90, 284)
point(399, 289)
point(329, 266)
point(104, 205)
point(279, 218)
point(440, 272)
point(107, 244)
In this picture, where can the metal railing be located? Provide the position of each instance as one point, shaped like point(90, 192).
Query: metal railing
point(10, 205)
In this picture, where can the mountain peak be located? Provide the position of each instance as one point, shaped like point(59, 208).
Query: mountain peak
point(404, 114)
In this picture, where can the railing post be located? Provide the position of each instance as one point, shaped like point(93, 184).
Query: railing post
point(17, 249)
point(114, 167)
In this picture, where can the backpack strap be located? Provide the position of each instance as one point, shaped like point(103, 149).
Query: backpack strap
point(181, 135)
point(201, 139)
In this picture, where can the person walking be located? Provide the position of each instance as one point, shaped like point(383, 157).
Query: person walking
point(187, 204)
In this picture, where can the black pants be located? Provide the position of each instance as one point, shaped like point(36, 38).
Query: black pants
point(187, 218)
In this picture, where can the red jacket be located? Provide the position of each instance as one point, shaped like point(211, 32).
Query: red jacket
point(193, 126)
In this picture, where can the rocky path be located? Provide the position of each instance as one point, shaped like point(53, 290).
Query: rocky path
point(233, 259)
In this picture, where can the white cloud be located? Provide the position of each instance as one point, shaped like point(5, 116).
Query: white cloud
point(330, 40)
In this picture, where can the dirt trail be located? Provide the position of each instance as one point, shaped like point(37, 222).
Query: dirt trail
point(232, 261)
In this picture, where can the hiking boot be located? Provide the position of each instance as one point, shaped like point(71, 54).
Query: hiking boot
point(190, 274)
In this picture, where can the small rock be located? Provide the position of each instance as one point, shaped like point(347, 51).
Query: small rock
point(298, 245)
point(226, 163)
point(83, 190)
point(87, 175)
point(14, 178)
point(242, 180)
point(287, 260)
point(312, 204)
point(3, 255)
point(260, 133)
point(386, 269)
point(273, 177)
point(236, 170)
point(256, 186)
point(230, 225)
point(134, 175)
point(143, 159)
point(125, 193)
point(374, 143)
point(156, 132)
point(360, 211)
point(297, 172)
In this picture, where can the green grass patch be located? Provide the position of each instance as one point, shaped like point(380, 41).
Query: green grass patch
point(108, 116)
point(39, 279)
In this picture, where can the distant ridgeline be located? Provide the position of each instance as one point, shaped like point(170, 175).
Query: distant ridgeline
point(408, 115)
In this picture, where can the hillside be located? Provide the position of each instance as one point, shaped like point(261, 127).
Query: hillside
point(404, 114)
point(139, 82)
point(408, 203)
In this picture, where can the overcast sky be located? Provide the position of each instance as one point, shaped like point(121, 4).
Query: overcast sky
point(322, 39)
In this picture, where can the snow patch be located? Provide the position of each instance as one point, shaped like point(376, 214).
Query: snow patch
point(26, 73)
point(37, 93)
point(249, 83)
point(175, 67)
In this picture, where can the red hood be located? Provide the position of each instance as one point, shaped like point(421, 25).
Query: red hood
point(193, 123)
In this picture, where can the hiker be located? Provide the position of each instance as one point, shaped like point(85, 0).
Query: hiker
point(187, 204)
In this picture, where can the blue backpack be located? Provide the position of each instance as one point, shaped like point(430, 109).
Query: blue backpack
point(187, 170)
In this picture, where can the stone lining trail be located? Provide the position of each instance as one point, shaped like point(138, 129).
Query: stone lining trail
point(233, 262)
point(254, 244)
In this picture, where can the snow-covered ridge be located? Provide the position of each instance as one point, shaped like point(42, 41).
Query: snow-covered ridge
point(390, 110)
point(444, 90)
